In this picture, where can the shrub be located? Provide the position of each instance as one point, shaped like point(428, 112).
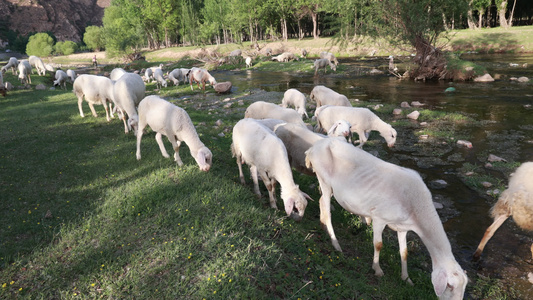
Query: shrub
point(66, 47)
point(94, 37)
point(40, 44)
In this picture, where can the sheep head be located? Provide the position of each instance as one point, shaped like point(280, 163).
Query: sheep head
point(449, 283)
point(132, 123)
point(295, 203)
point(341, 127)
point(389, 135)
point(204, 159)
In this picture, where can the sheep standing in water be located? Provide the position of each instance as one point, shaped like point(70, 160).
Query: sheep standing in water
point(323, 63)
point(516, 201)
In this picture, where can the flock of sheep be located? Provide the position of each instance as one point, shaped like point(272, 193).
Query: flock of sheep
point(383, 193)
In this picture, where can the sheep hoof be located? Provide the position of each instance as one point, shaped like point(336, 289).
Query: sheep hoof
point(409, 281)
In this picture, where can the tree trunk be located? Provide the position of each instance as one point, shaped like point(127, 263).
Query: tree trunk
point(501, 12)
point(431, 61)
point(480, 20)
point(512, 13)
point(314, 17)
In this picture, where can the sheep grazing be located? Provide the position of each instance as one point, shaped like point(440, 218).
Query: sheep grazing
point(298, 139)
point(237, 52)
point(13, 64)
point(250, 139)
point(267, 110)
point(116, 73)
point(329, 56)
point(323, 63)
point(24, 68)
point(96, 90)
point(175, 76)
point(38, 64)
point(172, 121)
point(128, 91)
point(61, 79)
point(148, 75)
point(326, 96)
point(49, 68)
point(200, 76)
point(284, 57)
point(248, 61)
point(295, 98)
point(362, 119)
point(158, 75)
point(71, 75)
point(516, 201)
point(389, 195)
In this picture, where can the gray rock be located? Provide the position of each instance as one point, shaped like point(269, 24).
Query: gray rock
point(223, 87)
point(413, 115)
point(484, 78)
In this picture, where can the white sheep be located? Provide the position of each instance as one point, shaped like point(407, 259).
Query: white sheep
point(13, 64)
point(96, 90)
point(270, 123)
point(323, 63)
point(148, 75)
point(516, 201)
point(362, 119)
point(293, 97)
point(172, 121)
point(329, 56)
point(267, 110)
point(391, 196)
point(71, 75)
point(116, 73)
point(61, 79)
point(251, 140)
point(49, 68)
point(159, 78)
point(200, 76)
point(298, 139)
point(185, 74)
point(284, 57)
point(248, 60)
point(175, 76)
point(24, 68)
point(128, 91)
point(325, 96)
point(38, 64)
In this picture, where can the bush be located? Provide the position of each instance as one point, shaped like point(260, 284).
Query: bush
point(40, 44)
point(94, 37)
point(66, 47)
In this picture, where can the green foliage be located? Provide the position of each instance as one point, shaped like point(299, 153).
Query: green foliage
point(65, 48)
point(122, 31)
point(94, 37)
point(40, 44)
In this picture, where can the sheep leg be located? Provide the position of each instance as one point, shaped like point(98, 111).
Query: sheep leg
point(139, 137)
point(176, 146)
point(159, 140)
point(378, 244)
point(111, 110)
point(239, 164)
point(80, 101)
point(402, 241)
point(325, 212)
point(91, 106)
point(107, 112)
point(489, 233)
point(271, 187)
point(362, 138)
point(253, 173)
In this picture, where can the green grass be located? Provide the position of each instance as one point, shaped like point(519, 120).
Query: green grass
point(81, 217)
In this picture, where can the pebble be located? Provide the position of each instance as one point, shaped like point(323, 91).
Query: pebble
point(469, 173)
point(218, 122)
point(424, 137)
point(416, 103)
point(494, 158)
point(424, 124)
point(438, 184)
point(486, 184)
point(467, 144)
point(397, 111)
point(488, 165)
point(414, 115)
point(405, 104)
point(449, 90)
point(221, 134)
point(438, 205)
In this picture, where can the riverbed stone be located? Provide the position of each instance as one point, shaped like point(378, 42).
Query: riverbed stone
point(484, 78)
point(416, 104)
point(494, 158)
point(40, 87)
point(414, 115)
point(438, 184)
point(223, 87)
point(523, 79)
point(397, 111)
point(404, 104)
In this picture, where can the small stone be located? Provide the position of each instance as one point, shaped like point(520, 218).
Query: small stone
point(424, 137)
point(397, 111)
point(221, 134)
point(218, 122)
point(470, 173)
point(226, 100)
point(40, 87)
point(484, 78)
point(48, 214)
point(530, 277)
point(9, 86)
point(414, 115)
point(449, 90)
point(486, 184)
point(523, 79)
point(438, 205)
point(416, 103)
point(488, 165)
point(494, 158)
point(464, 143)
point(513, 79)
point(438, 184)
point(405, 105)
point(375, 72)
point(423, 123)
point(469, 69)
point(227, 105)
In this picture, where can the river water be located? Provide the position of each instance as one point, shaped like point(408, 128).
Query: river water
point(504, 109)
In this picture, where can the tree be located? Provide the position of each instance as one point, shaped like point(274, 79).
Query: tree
point(502, 9)
point(480, 6)
point(122, 31)
point(40, 44)
point(66, 47)
point(94, 37)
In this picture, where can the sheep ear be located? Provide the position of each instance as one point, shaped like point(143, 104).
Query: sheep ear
point(289, 206)
point(333, 128)
point(201, 157)
point(438, 278)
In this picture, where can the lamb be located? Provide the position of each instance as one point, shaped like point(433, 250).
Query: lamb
point(267, 110)
point(96, 90)
point(389, 195)
point(248, 60)
point(175, 76)
point(200, 76)
point(13, 64)
point(250, 140)
point(71, 75)
point(295, 98)
point(24, 68)
point(298, 139)
point(329, 56)
point(362, 119)
point(168, 119)
point(158, 75)
point(38, 64)
point(116, 73)
point(61, 79)
point(516, 200)
point(128, 91)
point(323, 63)
point(326, 96)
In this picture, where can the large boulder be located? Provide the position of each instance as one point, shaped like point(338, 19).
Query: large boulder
point(223, 87)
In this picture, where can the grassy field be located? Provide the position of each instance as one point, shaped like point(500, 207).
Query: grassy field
point(82, 218)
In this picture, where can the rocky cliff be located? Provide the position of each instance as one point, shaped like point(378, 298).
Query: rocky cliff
point(66, 19)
